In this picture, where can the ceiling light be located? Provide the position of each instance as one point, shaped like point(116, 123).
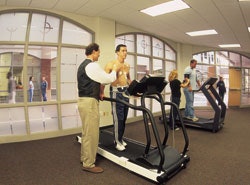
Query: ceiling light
point(249, 29)
point(244, 0)
point(202, 32)
point(167, 7)
point(229, 45)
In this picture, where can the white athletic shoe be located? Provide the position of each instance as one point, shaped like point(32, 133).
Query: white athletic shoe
point(124, 143)
point(119, 146)
point(79, 139)
point(195, 119)
point(176, 128)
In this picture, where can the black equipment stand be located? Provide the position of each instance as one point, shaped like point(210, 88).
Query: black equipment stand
point(216, 123)
point(157, 163)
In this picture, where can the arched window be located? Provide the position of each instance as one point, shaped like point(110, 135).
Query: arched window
point(220, 63)
point(39, 45)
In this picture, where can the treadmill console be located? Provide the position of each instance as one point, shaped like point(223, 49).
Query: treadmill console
point(209, 82)
point(149, 83)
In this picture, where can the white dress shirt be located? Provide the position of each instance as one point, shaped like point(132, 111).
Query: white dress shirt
point(96, 73)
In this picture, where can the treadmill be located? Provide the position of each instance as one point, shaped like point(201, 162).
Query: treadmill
point(216, 123)
point(156, 163)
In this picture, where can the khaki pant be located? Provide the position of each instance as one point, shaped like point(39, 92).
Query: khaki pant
point(89, 113)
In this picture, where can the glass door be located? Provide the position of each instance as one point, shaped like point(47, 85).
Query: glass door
point(235, 79)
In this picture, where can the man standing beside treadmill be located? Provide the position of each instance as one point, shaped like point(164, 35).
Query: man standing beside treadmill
point(190, 73)
point(91, 79)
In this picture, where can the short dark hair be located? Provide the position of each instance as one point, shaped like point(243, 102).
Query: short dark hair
point(90, 48)
point(9, 74)
point(193, 61)
point(118, 47)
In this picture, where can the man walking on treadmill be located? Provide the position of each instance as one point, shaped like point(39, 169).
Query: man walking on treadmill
point(190, 73)
point(118, 90)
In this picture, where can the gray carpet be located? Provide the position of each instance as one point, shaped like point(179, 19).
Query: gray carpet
point(221, 158)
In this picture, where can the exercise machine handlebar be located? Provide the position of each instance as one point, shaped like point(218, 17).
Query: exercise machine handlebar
point(151, 118)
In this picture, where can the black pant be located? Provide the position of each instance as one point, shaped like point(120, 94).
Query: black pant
point(173, 110)
point(221, 94)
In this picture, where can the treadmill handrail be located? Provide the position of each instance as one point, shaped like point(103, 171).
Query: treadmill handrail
point(147, 111)
point(154, 127)
point(184, 131)
point(163, 115)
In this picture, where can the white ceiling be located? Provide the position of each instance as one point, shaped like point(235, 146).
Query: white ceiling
point(230, 18)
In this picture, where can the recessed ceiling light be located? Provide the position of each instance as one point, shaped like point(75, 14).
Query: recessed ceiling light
point(167, 7)
point(202, 32)
point(229, 45)
point(249, 29)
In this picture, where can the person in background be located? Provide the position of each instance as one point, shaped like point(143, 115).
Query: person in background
point(190, 73)
point(11, 88)
point(175, 86)
point(31, 89)
point(222, 88)
point(44, 87)
point(91, 79)
point(118, 90)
